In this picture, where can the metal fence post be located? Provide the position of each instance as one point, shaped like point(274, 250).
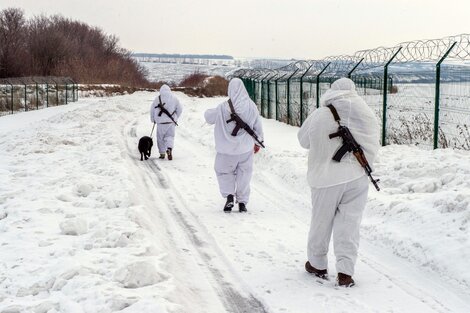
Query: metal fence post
point(25, 98)
point(37, 97)
point(288, 95)
point(11, 96)
point(438, 95)
point(66, 94)
point(385, 89)
point(354, 68)
point(262, 93)
point(269, 98)
point(277, 97)
point(258, 87)
point(250, 86)
point(318, 84)
point(57, 93)
point(254, 88)
point(301, 94)
point(47, 95)
point(247, 83)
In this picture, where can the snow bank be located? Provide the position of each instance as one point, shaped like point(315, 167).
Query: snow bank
point(139, 274)
point(74, 227)
point(422, 213)
point(68, 241)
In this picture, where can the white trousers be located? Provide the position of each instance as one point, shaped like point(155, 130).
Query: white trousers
point(337, 209)
point(165, 136)
point(234, 175)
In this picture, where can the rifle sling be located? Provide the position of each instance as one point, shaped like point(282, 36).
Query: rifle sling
point(344, 148)
point(163, 110)
point(160, 105)
point(232, 110)
point(334, 112)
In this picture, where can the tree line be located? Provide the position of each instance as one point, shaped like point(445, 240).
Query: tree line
point(58, 46)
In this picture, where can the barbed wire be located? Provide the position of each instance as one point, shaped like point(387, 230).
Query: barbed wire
point(429, 50)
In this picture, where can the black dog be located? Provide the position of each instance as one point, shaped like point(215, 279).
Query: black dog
point(145, 147)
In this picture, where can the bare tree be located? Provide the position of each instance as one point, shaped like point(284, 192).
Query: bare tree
point(60, 46)
point(12, 48)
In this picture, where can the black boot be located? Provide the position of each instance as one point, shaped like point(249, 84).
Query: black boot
point(229, 204)
point(162, 156)
point(170, 155)
point(242, 207)
point(345, 280)
point(323, 274)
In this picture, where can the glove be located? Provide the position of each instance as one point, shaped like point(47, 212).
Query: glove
point(256, 148)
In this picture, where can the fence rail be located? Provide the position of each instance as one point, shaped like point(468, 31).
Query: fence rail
point(33, 93)
point(420, 90)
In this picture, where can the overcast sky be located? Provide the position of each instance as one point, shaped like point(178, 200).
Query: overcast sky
point(310, 29)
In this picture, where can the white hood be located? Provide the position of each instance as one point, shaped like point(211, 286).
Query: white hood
point(244, 107)
point(248, 112)
point(341, 89)
point(165, 93)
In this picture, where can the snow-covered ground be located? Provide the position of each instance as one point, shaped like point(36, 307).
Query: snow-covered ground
point(85, 226)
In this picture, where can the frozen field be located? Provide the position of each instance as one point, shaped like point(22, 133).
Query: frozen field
point(85, 226)
point(173, 73)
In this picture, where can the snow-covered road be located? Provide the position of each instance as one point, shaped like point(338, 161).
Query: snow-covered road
point(86, 226)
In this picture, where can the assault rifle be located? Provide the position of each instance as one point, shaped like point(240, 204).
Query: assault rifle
point(240, 124)
point(163, 110)
point(350, 145)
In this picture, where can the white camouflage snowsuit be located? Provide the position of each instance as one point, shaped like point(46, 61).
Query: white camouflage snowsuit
point(234, 160)
point(339, 189)
point(165, 126)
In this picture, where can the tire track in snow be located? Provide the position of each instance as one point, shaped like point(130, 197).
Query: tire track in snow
point(232, 299)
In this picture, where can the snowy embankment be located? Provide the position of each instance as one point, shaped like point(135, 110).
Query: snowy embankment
point(71, 238)
point(86, 227)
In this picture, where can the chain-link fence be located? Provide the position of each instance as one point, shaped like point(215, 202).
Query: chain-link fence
point(420, 90)
point(34, 93)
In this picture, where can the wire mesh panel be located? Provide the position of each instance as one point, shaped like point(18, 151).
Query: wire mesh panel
point(41, 96)
point(294, 102)
point(272, 100)
point(454, 117)
point(410, 108)
point(5, 100)
point(282, 101)
point(68, 93)
point(324, 86)
point(18, 98)
point(257, 94)
point(308, 98)
point(370, 88)
point(264, 99)
point(29, 100)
